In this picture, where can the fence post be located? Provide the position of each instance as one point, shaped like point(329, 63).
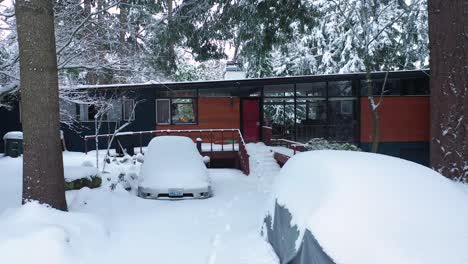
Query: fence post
point(211, 138)
point(199, 145)
point(222, 141)
point(86, 146)
point(141, 143)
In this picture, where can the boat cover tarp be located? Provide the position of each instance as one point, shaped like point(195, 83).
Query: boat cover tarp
point(282, 236)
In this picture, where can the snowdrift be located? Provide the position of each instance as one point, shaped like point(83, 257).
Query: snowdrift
point(370, 208)
point(36, 232)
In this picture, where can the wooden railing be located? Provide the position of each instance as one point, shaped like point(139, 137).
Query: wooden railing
point(216, 138)
point(295, 146)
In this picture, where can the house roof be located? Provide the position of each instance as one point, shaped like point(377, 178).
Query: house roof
point(258, 81)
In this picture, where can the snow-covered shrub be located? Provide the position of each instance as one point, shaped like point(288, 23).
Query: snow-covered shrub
point(91, 182)
point(323, 144)
point(122, 173)
point(77, 177)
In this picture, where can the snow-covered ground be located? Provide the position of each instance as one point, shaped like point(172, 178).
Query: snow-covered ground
point(104, 226)
point(115, 226)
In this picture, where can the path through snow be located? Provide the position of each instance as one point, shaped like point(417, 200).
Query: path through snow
point(222, 229)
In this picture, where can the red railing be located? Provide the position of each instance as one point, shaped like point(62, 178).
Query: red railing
point(223, 140)
point(295, 146)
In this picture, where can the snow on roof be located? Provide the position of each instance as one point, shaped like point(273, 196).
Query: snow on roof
point(13, 135)
point(173, 162)
point(370, 208)
point(163, 83)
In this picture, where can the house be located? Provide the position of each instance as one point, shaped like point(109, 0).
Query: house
point(334, 107)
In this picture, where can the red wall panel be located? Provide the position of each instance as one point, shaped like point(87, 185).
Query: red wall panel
point(213, 113)
point(402, 119)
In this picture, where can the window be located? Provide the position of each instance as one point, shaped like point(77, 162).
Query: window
point(340, 88)
point(346, 107)
point(311, 111)
point(415, 87)
point(311, 89)
point(175, 111)
point(87, 112)
point(392, 87)
point(183, 111)
point(279, 114)
point(127, 111)
point(278, 90)
point(163, 111)
point(92, 112)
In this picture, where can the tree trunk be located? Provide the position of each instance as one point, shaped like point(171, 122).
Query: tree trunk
point(448, 25)
point(42, 161)
point(375, 113)
point(171, 56)
point(123, 21)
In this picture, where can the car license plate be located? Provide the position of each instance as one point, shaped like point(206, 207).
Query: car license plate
point(176, 192)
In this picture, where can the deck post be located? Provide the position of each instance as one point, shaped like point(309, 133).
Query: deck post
point(199, 144)
point(141, 143)
point(211, 143)
point(222, 141)
point(86, 145)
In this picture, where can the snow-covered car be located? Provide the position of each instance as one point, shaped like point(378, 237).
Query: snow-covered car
point(363, 208)
point(173, 169)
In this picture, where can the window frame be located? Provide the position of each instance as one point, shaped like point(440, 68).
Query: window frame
point(194, 107)
point(169, 110)
point(124, 114)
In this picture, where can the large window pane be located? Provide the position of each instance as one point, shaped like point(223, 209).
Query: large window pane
point(311, 119)
point(415, 87)
point(128, 105)
point(183, 111)
point(278, 90)
point(342, 118)
point(392, 87)
point(279, 114)
point(163, 112)
point(340, 88)
point(311, 89)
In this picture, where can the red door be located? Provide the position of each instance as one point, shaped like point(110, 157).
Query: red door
point(251, 120)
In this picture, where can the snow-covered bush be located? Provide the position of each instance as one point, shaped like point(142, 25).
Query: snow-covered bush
point(123, 172)
point(323, 144)
point(77, 177)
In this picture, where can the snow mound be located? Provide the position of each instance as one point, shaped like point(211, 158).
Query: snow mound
point(79, 172)
point(173, 162)
point(370, 208)
point(13, 135)
point(36, 232)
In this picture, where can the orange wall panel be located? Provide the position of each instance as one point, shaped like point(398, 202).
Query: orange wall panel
point(402, 119)
point(213, 113)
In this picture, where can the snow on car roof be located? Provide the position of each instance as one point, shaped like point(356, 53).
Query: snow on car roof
point(173, 162)
point(370, 208)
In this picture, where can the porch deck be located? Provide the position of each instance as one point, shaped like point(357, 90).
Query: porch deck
point(223, 146)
